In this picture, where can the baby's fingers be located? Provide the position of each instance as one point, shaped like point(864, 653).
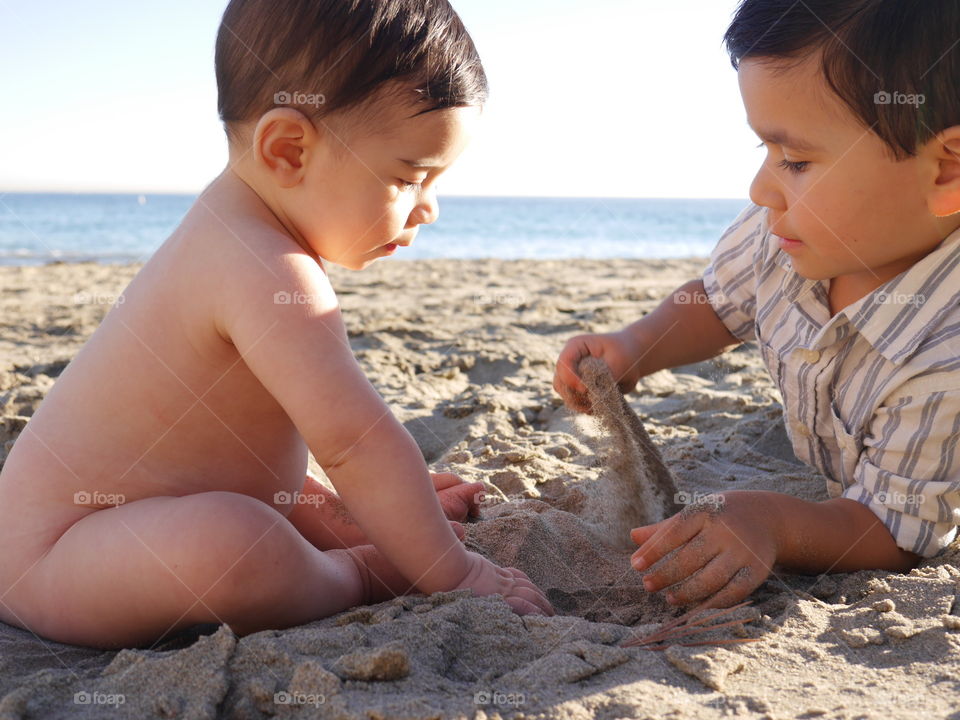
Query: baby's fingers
point(530, 597)
point(524, 587)
point(524, 607)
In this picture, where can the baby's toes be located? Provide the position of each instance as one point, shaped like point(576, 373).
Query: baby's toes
point(474, 494)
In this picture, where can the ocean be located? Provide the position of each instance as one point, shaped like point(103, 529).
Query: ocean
point(40, 228)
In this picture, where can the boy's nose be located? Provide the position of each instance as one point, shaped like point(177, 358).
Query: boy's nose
point(764, 190)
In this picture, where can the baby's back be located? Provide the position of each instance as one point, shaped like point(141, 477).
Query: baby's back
point(156, 403)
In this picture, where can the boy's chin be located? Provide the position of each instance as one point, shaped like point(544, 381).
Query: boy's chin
point(809, 271)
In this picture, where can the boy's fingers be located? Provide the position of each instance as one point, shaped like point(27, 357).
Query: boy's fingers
point(738, 587)
point(690, 559)
point(705, 583)
point(641, 534)
point(568, 363)
point(667, 536)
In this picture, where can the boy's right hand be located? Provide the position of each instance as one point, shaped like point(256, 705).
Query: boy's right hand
point(616, 349)
point(485, 578)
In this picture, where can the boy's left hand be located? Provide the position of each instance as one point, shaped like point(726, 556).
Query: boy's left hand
point(717, 554)
point(458, 499)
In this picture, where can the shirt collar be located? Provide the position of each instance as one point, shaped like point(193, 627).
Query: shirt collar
point(899, 315)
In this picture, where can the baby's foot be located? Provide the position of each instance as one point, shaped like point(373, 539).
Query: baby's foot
point(381, 580)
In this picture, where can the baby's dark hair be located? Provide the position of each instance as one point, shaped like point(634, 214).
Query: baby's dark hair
point(895, 63)
point(326, 56)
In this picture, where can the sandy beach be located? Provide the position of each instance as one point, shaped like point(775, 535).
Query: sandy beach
point(463, 352)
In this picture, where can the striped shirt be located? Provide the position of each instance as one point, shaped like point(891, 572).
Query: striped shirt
point(871, 396)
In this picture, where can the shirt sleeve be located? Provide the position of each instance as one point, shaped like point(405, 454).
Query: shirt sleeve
point(731, 278)
point(908, 473)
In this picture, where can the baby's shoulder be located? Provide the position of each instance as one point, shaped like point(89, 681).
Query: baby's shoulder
point(247, 265)
point(250, 255)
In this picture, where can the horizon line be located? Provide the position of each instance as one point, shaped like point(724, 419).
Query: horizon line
point(164, 193)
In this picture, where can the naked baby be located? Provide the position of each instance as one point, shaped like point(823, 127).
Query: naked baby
point(162, 481)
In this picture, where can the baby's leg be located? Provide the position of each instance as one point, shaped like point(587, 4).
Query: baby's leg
point(129, 575)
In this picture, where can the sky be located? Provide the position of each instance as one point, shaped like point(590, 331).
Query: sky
point(607, 98)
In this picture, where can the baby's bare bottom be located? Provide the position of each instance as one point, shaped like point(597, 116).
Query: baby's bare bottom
point(130, 575)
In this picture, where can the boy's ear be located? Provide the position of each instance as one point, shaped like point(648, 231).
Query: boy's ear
point(944, 196)
point(282, 142)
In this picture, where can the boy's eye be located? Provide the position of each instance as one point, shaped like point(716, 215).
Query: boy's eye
point(795, 167)
point(407, 185)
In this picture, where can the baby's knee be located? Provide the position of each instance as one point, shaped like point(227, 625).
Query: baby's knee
point(242, 542)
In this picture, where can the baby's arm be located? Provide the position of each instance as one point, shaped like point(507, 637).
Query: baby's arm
point(300, 353)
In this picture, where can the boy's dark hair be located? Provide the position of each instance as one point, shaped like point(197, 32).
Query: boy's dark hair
point(325, 56)
point(870, 50)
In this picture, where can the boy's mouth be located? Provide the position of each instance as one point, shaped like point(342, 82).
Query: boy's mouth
point(789, 243)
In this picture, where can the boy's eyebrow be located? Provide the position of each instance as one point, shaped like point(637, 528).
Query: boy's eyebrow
point(781, 137)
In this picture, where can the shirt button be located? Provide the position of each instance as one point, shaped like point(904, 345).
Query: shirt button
point(800, 429)
point(811, 356)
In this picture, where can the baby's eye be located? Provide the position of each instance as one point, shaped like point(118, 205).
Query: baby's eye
point(795, 167)
point(407, 185)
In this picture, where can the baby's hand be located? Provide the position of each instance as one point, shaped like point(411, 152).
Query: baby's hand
point(717, 554)
point(616, 349)
point(458, 499)
point(485, 578)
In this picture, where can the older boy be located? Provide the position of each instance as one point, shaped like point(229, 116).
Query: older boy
point(846, 271)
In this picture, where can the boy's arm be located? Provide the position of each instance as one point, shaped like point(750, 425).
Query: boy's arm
point(698, 321)
point(299, 351)
point(838, 535)
point(709, 315)
point(720, 554)
point(684, 329)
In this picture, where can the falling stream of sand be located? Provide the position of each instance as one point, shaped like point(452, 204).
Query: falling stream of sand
point(636, 488)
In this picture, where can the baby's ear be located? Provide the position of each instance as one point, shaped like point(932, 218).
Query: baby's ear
point(944, 196)
point(282, 141)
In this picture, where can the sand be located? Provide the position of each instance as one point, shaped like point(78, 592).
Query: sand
point(463, 352)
